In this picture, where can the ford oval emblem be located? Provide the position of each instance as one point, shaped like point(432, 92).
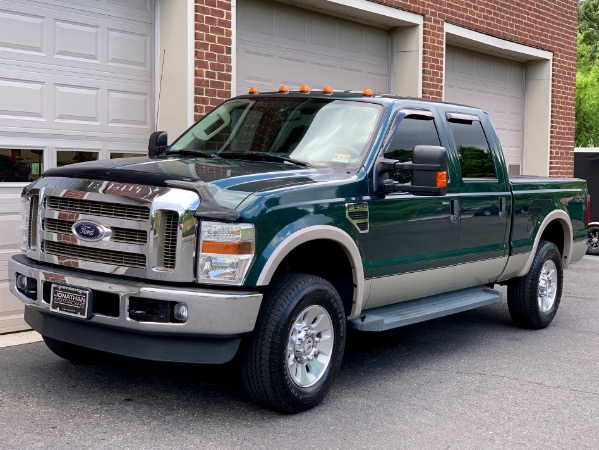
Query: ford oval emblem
point(89, 231)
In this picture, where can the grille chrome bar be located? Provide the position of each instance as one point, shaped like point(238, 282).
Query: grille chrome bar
point(92, 254)
point(33, 214)
point(98, 208)
point(169, 250)
point(123, 235)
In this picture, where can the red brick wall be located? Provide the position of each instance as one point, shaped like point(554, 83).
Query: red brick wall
point(212, 54)
point(544, 24)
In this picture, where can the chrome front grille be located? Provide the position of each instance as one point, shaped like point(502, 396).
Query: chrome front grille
point(124, 235)
point(98, 208)
point(74, 253)
point(146, 232)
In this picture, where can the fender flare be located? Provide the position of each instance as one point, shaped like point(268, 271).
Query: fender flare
point(312, 233)
point(564, 220)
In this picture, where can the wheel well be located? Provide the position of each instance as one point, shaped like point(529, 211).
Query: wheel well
point(554, 232)
point(325, 259)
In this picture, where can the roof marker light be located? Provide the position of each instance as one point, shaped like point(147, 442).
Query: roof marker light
point(327, 90)
point(254, 90)
point(367, 93)
point(305, 89)
point(283, 89)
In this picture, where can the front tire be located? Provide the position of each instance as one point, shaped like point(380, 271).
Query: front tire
point(533, 299)
point(297, 346)
point(593, 240)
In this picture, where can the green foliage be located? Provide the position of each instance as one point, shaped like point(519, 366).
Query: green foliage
point(476, 162)
point(403, 176)
point(588, 29)
point(587, 75)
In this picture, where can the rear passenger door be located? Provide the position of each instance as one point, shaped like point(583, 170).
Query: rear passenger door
point(484, 200)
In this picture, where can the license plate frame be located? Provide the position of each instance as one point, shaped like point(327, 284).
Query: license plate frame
point(69, 300)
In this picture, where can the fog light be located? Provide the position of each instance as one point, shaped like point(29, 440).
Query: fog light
point(181, 312)
point(27, 286)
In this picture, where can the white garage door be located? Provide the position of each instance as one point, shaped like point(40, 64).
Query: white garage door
point(76, 84)
point(494, 84)
point(278, 44)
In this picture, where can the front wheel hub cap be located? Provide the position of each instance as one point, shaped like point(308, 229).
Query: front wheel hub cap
point(548, 285)
point(310, 346)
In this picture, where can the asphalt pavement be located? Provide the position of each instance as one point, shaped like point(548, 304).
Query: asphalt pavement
point(469, 381)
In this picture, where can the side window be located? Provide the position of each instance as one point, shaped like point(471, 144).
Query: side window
point(476, 159)
point(411, 131)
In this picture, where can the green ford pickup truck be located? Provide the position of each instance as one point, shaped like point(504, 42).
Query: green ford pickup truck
point(279, 221)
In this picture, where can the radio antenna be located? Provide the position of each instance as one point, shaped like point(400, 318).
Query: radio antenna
point(159, 90)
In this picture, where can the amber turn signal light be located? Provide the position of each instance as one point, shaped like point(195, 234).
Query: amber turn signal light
point(441, 179)
point(227, 248)
point(254, 90)
point(283, 89)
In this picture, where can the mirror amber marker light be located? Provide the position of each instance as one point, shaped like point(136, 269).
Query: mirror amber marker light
point(441, 179)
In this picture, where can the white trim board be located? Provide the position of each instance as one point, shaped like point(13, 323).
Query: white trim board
point(363, 11)
point(464, 37)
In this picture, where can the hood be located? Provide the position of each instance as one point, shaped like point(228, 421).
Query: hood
point(219, 182)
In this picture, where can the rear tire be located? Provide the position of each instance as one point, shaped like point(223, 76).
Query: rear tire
point(74, 353)
point(593, 240)
point(296, 349)
point(533, 299)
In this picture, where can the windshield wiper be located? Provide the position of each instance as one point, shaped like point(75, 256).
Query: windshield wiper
point(187, 152)
point(263, 156)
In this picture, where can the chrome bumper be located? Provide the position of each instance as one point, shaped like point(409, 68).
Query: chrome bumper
point(211, 312)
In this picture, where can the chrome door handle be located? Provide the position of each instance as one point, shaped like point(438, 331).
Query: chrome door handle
point(502, 207)
point(454, 209)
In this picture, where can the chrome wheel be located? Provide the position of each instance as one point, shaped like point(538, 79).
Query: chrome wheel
point(310, 346)
point(547, 288)
point(593, 240)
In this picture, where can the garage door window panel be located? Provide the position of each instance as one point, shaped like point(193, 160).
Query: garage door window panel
point(117, 155)
point(66, 157)
point(21, 165)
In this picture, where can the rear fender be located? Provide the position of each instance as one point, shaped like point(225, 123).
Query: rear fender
point(564, 220)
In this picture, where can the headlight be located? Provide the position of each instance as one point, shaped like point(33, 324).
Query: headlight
point(226, 252)
point(25, 210)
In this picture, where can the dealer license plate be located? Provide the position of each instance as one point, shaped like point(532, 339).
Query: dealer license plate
point(70, 300)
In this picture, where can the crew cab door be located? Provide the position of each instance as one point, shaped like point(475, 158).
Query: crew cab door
point(410, 236)
point(484, 200)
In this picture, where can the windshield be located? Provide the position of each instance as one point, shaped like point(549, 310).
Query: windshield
point(317, 131)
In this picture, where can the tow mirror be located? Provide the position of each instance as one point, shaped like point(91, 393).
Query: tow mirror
point(157, 143)
point(429, 172)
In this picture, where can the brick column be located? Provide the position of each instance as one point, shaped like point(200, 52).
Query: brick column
point(433, 51)
point(212, 61)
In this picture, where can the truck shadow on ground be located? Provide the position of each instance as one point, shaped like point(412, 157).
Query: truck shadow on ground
point(183, 390)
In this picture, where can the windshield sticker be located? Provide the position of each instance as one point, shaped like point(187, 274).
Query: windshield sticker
point(341, 157)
